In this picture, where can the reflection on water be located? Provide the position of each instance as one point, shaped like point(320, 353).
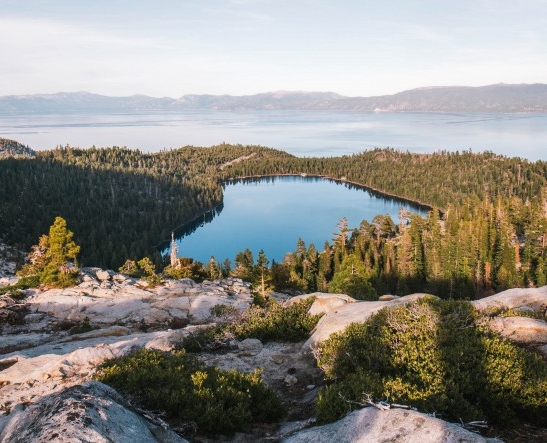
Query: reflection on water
point(274, 212)
point(303, 133)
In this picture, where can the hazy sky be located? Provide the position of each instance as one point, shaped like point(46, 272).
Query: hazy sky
point(353, 47)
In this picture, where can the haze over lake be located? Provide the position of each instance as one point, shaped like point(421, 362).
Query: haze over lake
point(274, 212)
point(302, 133)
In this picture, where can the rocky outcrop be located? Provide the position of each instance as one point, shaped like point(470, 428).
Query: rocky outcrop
point(323, 302)
point(44, 368)
point(527, 325)
point(371, 425)
point(524, 330)
point(51, 367)
point(338, 317)
point(105, 298)
point(517, 298)
point(91, 412)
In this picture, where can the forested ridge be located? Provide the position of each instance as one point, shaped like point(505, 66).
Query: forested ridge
point(436, 179)
point(487, 229)
point(120, 203)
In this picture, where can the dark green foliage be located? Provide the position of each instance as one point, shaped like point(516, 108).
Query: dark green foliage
point(218, 402)
point(188, 268)
point(148, 271)
point(82, 327)
point(131, 269)
point(53, 259)
point(352, 279)
point(211, 338)
point(489, 234)
point(277, 323)
point(270, 323)
point(225, 312)
point(432, 355)
point(469, 252)
point(121, 203)
point(23, 283)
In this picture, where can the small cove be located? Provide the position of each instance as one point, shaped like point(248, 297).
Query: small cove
point(272, 213)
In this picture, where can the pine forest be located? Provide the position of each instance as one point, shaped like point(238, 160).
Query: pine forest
point(486, 229)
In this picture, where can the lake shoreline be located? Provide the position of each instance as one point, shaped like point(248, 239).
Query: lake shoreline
point(206, 216)
point(377, 192)
point(271, 213)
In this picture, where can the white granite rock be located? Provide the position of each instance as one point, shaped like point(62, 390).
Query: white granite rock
point(521, 329)
point(323, 302)
point(535, 298)
point(371, 425)
point(92, 412)
point(103, 274)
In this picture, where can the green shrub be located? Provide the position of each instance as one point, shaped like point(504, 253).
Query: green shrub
point(212, 338)
point(130, 268)
point(270, 323)
point(53, 259)
point(277, 323)
point(225, 312)
point(216, 401)
point(432, 355)
point(82, 327)
point(512, 312)
point(15, 290)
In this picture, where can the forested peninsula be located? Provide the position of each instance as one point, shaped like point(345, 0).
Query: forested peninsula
point(486, 230)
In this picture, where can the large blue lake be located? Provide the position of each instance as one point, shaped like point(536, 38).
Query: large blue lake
point(274, 212)
point(273, 215)
point(302, 133)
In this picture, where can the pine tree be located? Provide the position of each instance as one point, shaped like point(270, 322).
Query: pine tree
point(262, 278)
point(352, 280)
point(54, 258)
point(213, 270)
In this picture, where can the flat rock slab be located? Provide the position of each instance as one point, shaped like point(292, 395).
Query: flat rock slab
point(37, 372)
point(131, 306)
point(521, 329)
point(533, 298)
point(92, 412)
point(371, 425)
point(323, 302)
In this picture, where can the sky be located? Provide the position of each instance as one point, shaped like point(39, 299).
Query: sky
point(240, 47)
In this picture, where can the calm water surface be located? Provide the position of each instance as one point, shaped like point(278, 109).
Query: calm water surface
point(303, 133)
point(273, 213)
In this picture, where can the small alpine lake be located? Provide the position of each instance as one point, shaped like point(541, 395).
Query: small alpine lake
point(272, 213)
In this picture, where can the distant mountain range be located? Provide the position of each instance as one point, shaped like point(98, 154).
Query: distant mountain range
point(493, 98)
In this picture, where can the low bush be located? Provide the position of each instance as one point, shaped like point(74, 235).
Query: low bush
point(216, 401)
point(225, 312)
point(82, 327)
point(432, 355)
point(15, 290)
point(212, 338)
point(529, 313)
point(270, 323)
point(277, 323)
